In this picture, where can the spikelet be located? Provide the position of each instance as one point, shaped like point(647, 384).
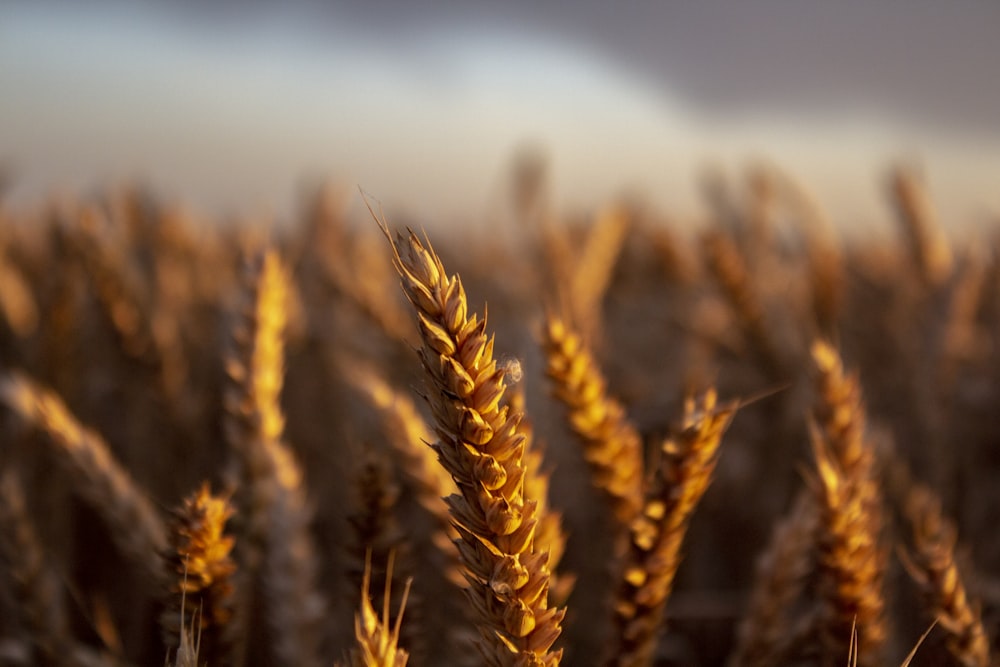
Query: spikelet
point(657, 534)
point(200, 569)
point(611, 444)
point(479, 445)
point(276, 552)
point(38, 606)
point(851, 557)
point(134, 523)
point(933, 566)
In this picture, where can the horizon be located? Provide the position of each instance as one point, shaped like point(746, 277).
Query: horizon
point(239, 113)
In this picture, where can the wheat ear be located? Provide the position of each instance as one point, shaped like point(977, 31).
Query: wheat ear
point(117, 291)
point(277, 550)
point(928, 245)
point(657, 534)
point(135, 525)
point(611, 444)
point(425, 480)
point(594, 268)
point(934, 568)
point(377, 640)
point(200, 569)
point(850, 565)
point(729, 268)
point(380, 549)
point(38, 605)
point(765, 633)
point(479, 445)
point(852, 560)
point(411, 438)
point(18, 306)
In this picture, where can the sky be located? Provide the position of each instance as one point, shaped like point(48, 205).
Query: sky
point(240, 107)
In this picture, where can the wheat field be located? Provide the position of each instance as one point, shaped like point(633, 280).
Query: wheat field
point(615, 439)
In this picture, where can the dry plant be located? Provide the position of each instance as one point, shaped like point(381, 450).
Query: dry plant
point(480, 446)
point(851, 552)
point(276, 553)
point(200, 569)
point(611, 444)
point(934, 568)
point(134, 522)
point(377, 640)
point(539, 528)
point(768, 632)
point(657, 533)
point(37, 601)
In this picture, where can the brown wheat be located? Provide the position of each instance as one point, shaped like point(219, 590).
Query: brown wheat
point(479, 445)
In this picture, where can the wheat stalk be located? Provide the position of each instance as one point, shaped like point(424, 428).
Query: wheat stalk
point(593, 268)
point(479, 445)
point(929, 248)
point(135, 525)
point(611, 444)
point(851, 558)
point(377, 640)
point(18, 306)
point(380, 548)
point(200, 570)
point(411, 439)
point(934, 568)
point(657, 534)
point(277, 550)
point(38, 605)
point(729, 268)
point(766, 632)
point(426, 481)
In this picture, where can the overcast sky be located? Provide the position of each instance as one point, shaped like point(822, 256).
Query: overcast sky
point(235, 105)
